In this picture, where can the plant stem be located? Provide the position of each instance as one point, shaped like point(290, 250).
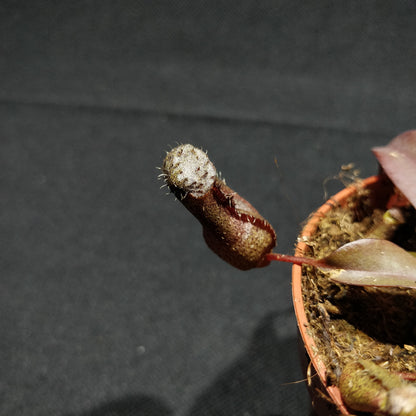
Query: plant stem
point(294, 259)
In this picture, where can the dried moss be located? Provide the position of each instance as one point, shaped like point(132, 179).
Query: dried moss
point(350, 322)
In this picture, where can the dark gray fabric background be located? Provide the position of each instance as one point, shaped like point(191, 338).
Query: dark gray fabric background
point(110, 303)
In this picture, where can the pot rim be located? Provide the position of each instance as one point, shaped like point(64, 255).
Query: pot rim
point(298, 303)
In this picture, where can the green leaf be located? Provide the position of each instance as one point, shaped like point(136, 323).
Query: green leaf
point(372, 262)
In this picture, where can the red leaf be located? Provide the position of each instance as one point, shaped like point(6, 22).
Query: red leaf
point(372, 262)
point(398, 159)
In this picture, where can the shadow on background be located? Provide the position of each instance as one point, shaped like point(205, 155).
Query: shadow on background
point(130, 406)
point(255, 385)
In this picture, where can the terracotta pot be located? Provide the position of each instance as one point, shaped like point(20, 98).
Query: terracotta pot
point(326, 399)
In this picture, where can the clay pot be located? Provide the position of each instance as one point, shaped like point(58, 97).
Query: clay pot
point(326, 399)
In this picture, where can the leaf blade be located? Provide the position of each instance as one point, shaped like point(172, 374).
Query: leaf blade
point(372, 262)
point(398, 159)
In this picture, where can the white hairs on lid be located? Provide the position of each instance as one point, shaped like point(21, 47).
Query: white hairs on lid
point(189, 169)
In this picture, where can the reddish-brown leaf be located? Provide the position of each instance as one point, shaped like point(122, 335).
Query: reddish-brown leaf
point(372, 262)
point(398, 159)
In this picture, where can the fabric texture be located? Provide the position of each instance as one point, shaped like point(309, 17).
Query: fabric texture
point(111, 304)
